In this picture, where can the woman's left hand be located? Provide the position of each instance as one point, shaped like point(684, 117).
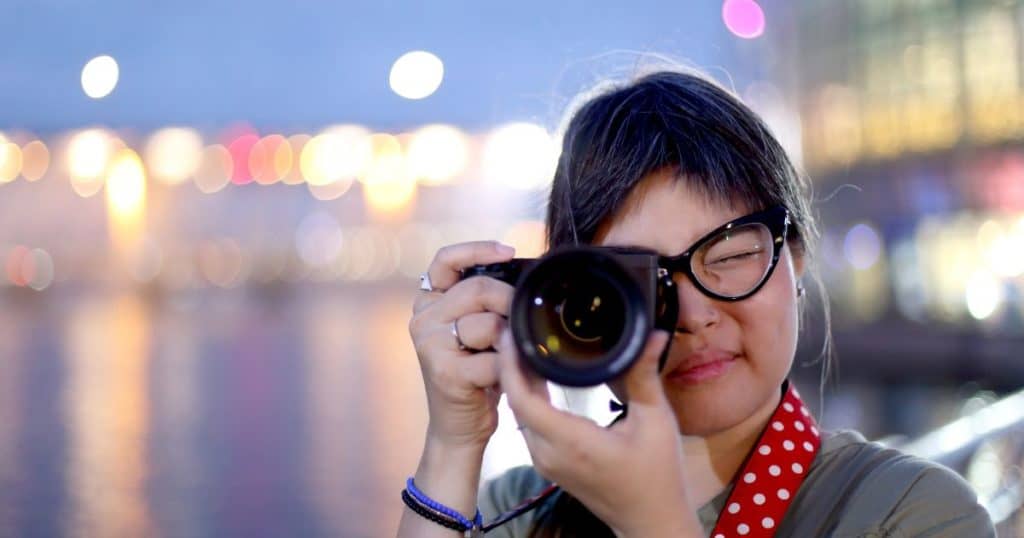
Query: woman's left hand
point(630, 475)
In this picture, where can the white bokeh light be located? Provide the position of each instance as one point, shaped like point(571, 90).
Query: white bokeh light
point(984, 295)
point(99, 76)
point(416, 74)
point(521, 155)
point(862, 246)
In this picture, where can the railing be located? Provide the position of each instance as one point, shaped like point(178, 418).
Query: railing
point(987, 448)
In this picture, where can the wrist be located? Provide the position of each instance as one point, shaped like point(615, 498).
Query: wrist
point(450, 474)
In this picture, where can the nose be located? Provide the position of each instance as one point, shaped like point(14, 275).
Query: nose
point(696, 310)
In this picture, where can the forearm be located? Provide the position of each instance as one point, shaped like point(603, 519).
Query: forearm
point(450, 476)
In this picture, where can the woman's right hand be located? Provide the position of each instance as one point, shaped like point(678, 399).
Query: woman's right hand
point(461, 385)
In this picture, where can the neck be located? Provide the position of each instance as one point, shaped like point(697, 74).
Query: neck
point(712, 462)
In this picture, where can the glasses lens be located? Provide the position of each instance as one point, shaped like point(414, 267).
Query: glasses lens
point(735, 261)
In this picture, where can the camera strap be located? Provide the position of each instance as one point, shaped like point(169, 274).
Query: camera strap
point(766, 482)
point(774, 470)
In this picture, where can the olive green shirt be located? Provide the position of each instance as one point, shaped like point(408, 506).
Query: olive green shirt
point(854, 488)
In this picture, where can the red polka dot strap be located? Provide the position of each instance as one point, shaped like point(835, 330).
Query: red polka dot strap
point(772, 473)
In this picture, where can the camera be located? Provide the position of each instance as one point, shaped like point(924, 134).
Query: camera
point(581, 315)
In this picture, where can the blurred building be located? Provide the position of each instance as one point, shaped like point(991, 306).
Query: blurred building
point(912, 121)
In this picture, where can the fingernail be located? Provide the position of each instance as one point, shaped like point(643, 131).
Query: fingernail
point(504, 249)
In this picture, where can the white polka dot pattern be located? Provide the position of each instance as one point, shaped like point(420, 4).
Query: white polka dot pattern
point(759, 500)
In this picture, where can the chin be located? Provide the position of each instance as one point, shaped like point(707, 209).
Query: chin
point(721, 407)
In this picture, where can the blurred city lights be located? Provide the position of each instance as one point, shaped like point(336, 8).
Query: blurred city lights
point(390, 199)
point(240, 149)
point(221, 262)
point(984, 295)
point(270, 159)
point(520, 155)
point(387, 162)
point(215, 169)
point(416, 74)
point(37, 269)
point(99, 76)
point(339, 153)
point(744, 18)
point(330, 191)
point(173, 154)
point(147, 261)
point(16, 259)
point(318, 239)
point(35, 160)
point(296, 143)
point(126, 184)
point(862, 246)
point(88, 155)
point(10, 161)
point(437, 154)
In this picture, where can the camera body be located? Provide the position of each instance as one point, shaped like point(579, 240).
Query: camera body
point(581, 315)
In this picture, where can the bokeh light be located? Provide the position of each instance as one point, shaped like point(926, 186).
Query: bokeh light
point(13, 265)
point(437, 154)
point(270, 159)
point(173, 154)
point(416, 74)
point(35, 160)
point(387, 163)
point(744, 18)
point(240, 149)
point(339, 153)
point(10, 161)
point(318, 239)
point(215, 169)
point(984, 295)
point(87, 157)
point(99, 76)
point(862, 246)
point(37, 269)
point(296, 143)
point(520, 155)
point(126, 184)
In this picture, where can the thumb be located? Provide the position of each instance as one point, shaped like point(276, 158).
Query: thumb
point(642, 382)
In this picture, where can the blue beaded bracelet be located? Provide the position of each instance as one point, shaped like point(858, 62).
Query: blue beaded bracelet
point(438, 507)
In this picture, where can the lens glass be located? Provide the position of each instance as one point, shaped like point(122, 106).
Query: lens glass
point(578, 318)
point(735, 261)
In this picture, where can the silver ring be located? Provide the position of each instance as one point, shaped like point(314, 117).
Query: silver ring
point(458, 339)
point(425, 284)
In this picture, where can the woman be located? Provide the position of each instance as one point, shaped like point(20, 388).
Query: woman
point(716, 442)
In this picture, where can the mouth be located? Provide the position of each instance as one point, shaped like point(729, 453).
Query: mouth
point(701, 366)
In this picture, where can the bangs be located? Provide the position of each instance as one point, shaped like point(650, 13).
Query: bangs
point(708, 138)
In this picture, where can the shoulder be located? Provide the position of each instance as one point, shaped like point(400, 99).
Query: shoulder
point(507, 491)
point(878, 490)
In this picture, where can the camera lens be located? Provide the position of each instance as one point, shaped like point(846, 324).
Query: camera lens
point(579, 317)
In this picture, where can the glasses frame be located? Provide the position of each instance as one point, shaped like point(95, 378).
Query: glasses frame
point(776, 219)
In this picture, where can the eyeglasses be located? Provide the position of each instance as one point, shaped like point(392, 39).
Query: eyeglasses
point(733, 261)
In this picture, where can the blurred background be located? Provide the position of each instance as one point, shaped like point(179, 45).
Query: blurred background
point(212, 216)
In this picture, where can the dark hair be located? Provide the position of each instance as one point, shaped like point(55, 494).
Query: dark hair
point(711, 140)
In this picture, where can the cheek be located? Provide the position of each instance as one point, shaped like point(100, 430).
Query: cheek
point(768, 324)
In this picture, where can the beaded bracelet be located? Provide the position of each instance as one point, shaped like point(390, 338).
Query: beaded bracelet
point(425, 512)
point(410, 486)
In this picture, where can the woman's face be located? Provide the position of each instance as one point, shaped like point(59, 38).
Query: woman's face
point(744, 349)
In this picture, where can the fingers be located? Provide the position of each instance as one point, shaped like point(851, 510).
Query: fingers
point(450, 260)
point(528, 398)
point(642, 382)
point(480, 330)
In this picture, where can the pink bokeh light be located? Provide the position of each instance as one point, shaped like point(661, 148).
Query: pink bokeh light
point(745, 18)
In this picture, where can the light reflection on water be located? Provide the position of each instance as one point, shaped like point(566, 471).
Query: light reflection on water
point(229, 414)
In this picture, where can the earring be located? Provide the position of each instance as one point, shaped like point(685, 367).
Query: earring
point(799, 290)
